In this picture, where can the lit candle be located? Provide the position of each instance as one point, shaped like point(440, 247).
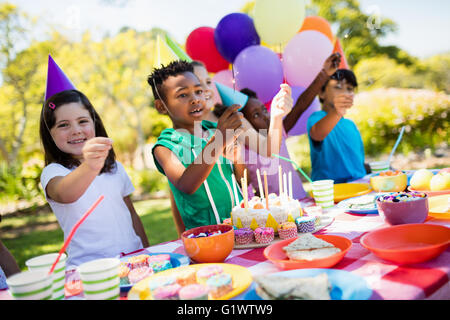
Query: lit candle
point(290, 185)
point(285, 189)
point(280, 183)
point(266, 190)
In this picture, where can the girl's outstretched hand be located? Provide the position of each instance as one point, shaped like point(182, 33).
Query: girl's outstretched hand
point(95, 152)
point(282, 102)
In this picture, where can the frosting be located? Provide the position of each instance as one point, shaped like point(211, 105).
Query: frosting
point(160, 282)
point(209, 271)
point(138, 274)
point(287, 225)
point(264, 231)
point(219, 280)
point(158, 266)
point(159, 257)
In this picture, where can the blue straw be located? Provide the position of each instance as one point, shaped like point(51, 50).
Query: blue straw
point(396, 143)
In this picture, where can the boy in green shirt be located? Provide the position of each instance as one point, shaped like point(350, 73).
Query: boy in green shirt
point(192, 153)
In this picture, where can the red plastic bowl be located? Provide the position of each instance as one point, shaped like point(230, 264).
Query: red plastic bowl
point(408, 243)
point(209, 249)
point(277, 256)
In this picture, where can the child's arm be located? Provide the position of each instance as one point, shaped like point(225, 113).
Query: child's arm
point(189, 179)
point(71, 187)
point(7, 261)
point(323, 127)
point(306, 98)
point(266, 145)
point(137, 223)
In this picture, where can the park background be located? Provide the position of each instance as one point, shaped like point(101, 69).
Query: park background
point(399, 51)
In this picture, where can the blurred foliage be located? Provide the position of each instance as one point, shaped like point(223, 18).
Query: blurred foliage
point(379, 115)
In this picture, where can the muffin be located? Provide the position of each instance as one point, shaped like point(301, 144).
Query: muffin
point(243, 236)
point(194, 292)
point(264, 235)
point(305, 224)
point(287, 230)
point(219, 285)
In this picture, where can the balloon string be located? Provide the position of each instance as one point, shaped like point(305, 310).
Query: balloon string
point(234, 80)
point(281, 59)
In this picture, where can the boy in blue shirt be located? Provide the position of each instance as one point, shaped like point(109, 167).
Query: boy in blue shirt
point(337, 150)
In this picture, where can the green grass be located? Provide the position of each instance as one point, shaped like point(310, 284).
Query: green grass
point(156, 217)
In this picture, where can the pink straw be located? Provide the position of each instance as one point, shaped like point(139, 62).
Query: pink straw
point(74, 229)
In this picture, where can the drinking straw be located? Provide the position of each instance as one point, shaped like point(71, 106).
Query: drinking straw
point(396, 143)
point(280, 181)
point(266, 190)
point(290, 184)
point(298, 168)
point(261, 191)
point(236, 201)
point(72, 232)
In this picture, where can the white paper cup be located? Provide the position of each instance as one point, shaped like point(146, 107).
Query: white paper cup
point(30, 285)
point(44, 263)
point(378, 166)
point(323, 193)
point(100, 279)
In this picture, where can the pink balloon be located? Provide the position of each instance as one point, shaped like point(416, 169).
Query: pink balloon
point(304, 55)
point(300, 126)
point(224, 77)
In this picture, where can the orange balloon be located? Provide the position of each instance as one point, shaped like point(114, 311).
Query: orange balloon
point(338, 48)
point(318, 24)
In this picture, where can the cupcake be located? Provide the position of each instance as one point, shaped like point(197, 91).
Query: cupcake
point(159, 266)
point(169, 292)
point(138, 261)
point(207, 272)
point(287, 230)
point(186, 277)
point(264, 235)
point(305, 224)
point(160, 282)
point(137, 274)
point(243, 236)
point(123, 274)
point(219, 285)
point(194, 292)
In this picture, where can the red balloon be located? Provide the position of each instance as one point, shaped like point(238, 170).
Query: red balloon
point(200, 46)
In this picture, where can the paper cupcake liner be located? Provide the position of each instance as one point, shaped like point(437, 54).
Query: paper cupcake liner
point(264, 238)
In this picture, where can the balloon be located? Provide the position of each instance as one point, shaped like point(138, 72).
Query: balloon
point(200, 46)
point(224, 77)
point(304, 56)
point(318, 24)
point(234, 33)
point(338, 48)
point(259, 69)
point(163, 54)
point(278, 21)
point(300, 126)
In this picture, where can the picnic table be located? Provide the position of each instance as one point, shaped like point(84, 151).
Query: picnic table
point(390, 281)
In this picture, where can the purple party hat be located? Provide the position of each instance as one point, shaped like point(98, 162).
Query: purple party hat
point(57, 81)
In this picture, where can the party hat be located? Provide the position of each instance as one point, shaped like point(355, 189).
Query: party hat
point(230, 96)
point(177, 50)
point(163, 54)
point(57, 81)
point(338, 48)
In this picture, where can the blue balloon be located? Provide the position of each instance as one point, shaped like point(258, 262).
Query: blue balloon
point(234, 33)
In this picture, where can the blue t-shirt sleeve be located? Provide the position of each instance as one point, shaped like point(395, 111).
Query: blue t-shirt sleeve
point(312, 120)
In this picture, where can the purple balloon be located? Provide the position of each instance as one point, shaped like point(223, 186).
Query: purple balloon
point(233, 33)
point(259, 69)
point(300, 126)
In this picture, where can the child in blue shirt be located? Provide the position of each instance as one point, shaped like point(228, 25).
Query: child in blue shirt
point(337, 150)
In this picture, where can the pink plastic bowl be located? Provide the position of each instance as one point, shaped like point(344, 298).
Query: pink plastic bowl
point(393, 213)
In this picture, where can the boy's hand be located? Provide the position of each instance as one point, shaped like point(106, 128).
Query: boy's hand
point(282, 103)
point(95, 151)
point(342, 103)
point(332, 63)
point(233, 152)
point(230, 120)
